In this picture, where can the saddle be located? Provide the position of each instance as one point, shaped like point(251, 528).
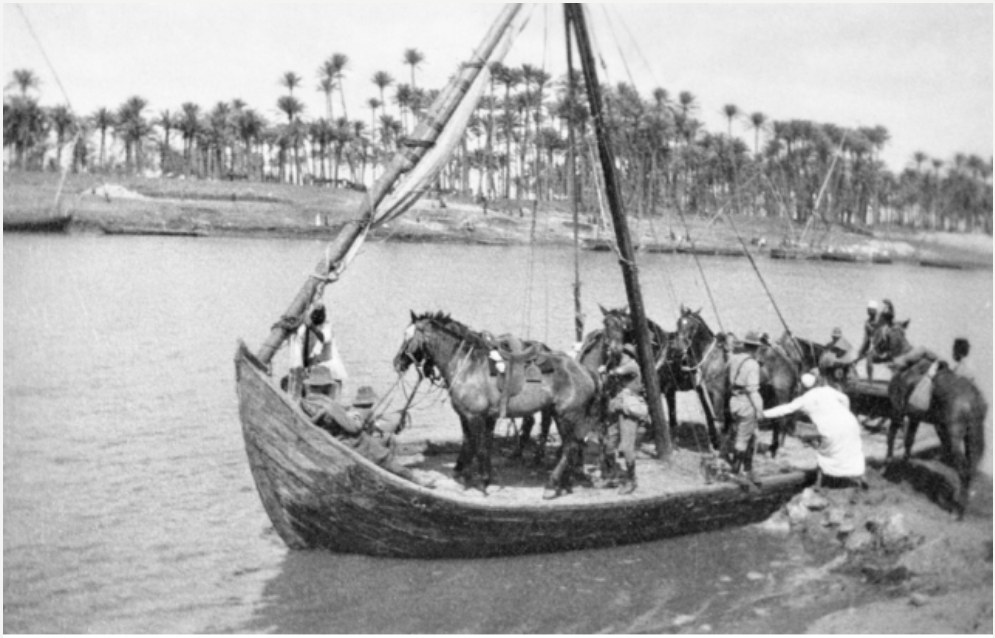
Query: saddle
point(515, 362)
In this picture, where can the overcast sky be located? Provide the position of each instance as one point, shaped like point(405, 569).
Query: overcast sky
point(922, 71)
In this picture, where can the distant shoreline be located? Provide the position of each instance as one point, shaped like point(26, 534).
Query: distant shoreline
point(165, 206)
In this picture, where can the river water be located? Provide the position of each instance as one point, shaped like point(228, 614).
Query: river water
point(129, 506)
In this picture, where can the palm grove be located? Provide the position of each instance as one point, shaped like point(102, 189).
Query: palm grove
point(515, 147)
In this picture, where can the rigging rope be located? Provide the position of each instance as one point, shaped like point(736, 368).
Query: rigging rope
point(65, 95)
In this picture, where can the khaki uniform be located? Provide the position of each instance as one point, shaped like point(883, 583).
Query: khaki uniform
point(626, 410)
point(745, 403)
point(349, 427)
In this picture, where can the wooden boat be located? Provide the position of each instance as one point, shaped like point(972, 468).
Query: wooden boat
point(48, 224)
point(838, 255)
point(597, 244)
point(942, 263)
point(319, 493)
point(781, 252)
point(111, 229)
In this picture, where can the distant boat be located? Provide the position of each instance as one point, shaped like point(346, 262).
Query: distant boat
point(111, 229)
point(47, 224)
point(597, 244)
point(837, 255)
point(782, 252)
point(943, 263)
point(879, 258)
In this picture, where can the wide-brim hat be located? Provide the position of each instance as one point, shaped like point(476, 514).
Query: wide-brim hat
point(366, 396)
point(751, 339)
point(319, 376)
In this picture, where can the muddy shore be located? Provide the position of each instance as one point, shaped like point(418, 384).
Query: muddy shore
point(251, 209)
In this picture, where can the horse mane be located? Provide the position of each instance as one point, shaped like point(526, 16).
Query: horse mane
point(464, 332)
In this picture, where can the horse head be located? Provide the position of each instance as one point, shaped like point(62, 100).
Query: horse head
point(419, 345)
point(693, 334)
point(617, 331)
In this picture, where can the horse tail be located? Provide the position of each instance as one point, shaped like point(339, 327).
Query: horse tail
point(974, 437)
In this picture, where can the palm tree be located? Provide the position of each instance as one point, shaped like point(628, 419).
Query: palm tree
point(404, 98)
point(167, 121)
point(382, 79)
point(413, 58)
point(25, 125)
point(730, 111)
point(134, 129)
point(189, 126)
point(292, 107)
point(249, 126)
point(64, 124)
point(336, 65)
point(326, 85)
point(374, 104)
point(290, 80)
point(24, 79)
point(102, 120)
point(757, 122)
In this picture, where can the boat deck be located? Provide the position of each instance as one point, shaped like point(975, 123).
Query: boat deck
point(520, 481)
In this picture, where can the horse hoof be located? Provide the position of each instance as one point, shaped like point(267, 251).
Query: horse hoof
point(549, 494)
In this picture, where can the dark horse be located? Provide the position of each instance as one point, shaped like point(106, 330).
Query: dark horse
point(443, 347)
point(956, 408)
point(672, 376)
point(704, 353)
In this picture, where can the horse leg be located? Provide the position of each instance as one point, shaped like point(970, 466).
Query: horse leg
point(897, 421)
point(961, 461)
point(523, 436)
point(463, 472)
point(559, 480)
point(910, 436)
point(709, 409)
point(485, 445)
point(546, 419)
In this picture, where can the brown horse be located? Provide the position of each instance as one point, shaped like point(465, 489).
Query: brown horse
point(956, 408)
point(458, 357)
point(704, 353)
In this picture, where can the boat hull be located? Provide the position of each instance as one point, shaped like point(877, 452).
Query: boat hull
point(56, 224)
point(319, 493)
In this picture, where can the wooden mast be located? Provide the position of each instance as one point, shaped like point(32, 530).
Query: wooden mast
point(574, 185)
point(574, 13)
point(422, 139)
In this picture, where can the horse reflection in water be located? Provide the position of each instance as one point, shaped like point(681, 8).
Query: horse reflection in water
point(956, 408)
point(445, 348)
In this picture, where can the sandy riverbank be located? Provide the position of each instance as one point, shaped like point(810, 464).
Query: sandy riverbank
point(270, 209)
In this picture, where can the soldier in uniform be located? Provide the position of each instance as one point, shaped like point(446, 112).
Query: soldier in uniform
point(626, 409)
point(745, 404)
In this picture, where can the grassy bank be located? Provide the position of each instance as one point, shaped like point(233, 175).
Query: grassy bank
point(271, 209)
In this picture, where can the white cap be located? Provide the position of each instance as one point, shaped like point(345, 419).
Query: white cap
point(873, 305)
point(808, 380)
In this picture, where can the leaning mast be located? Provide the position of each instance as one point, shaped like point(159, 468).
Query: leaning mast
point(574, 13)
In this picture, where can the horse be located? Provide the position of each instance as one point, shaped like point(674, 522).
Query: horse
point(459, 358)
point(672, 375)
point(956, 409)
point(704, 352)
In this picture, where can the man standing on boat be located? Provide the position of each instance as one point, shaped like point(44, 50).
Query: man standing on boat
point(837, 358)
point(350, 426)
point(745, 404)
point(870, 325)
point(839, 450)
point(312, 345)
point(626, 410)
